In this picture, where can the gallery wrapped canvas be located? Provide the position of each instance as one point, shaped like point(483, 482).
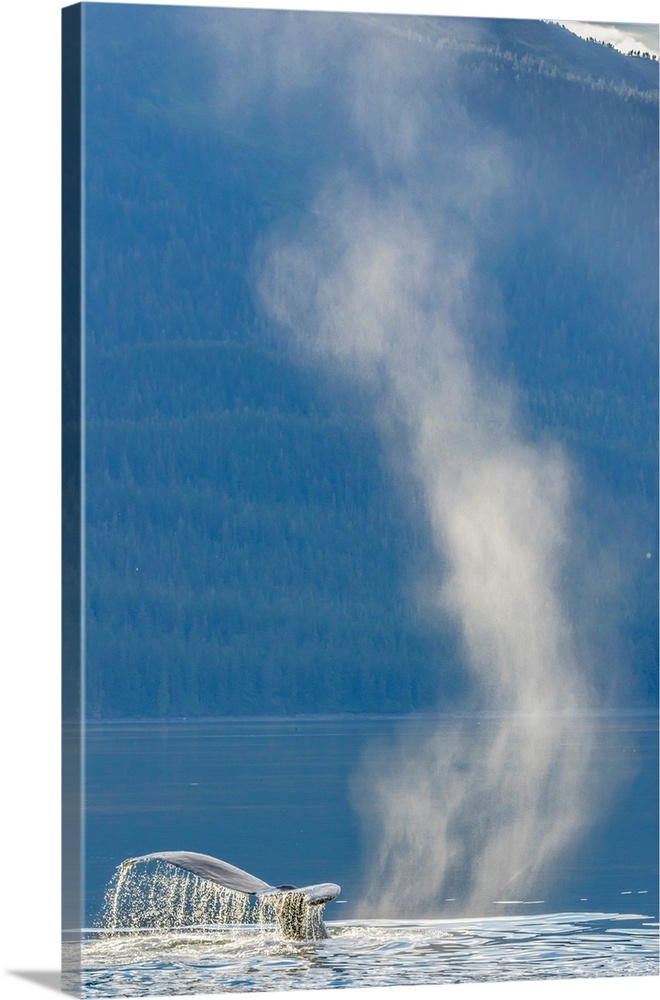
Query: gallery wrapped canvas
point(359, 500)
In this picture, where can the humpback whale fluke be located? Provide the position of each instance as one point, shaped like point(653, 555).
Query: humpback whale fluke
point(295, 907)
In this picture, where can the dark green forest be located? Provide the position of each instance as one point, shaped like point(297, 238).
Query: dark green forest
point(248, 550)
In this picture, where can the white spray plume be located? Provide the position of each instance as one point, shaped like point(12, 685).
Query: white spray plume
point(371, 292)
point(380, 283)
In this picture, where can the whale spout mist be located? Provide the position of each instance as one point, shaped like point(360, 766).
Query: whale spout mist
point(383, 283)
point(371, 290)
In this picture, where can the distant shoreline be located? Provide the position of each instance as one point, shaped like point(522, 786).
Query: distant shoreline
point(630, 712)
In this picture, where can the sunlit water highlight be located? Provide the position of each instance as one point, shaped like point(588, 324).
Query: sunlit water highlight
point(158, 896)
point(376, 953)
point(216, 769)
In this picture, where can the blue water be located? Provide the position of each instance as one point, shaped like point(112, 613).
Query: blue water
point(274, 797)
point(378, 953)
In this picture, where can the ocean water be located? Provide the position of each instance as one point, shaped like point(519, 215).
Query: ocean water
point(379, 953)
point(274, 798)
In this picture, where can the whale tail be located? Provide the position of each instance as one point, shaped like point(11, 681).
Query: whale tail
point(298, 909)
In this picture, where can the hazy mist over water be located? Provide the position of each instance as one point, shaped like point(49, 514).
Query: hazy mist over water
point(497, 511)
point(379, 284)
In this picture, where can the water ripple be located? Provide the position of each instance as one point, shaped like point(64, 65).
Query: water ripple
point(376, 953)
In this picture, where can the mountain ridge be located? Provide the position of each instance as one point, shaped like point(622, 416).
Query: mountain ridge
point(249, 549)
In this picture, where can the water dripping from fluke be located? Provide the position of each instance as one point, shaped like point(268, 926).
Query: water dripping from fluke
point(182, 889)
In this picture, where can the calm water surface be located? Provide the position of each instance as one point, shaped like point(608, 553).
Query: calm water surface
point(274, 797)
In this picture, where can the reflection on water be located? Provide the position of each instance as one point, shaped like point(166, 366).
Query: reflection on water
point(381, 953)
point(274, 798)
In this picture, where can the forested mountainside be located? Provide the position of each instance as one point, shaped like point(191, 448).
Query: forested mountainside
point(248, 547)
